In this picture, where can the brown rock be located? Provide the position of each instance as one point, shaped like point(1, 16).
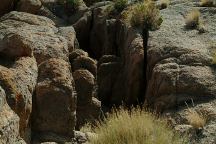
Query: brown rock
point(29, 6)
point(18, 82)
point(55, 99)
point(84, 62)
point(9, 123)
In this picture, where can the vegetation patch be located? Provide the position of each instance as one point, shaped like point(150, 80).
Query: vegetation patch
point(192, 19)
point(208, 3)
point(134, 127)
point(195, 119)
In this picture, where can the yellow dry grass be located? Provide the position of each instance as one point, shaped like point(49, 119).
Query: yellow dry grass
point(134, 127)
point(195, 119)
point(192, 19)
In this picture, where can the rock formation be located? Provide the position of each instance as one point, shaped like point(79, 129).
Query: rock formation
point(61, 68)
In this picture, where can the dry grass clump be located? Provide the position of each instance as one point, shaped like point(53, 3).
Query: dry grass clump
point(146, 15)
point(192, 19)
point(134, 127)
point(208, 3)
point(196, 119)
point(163, 4)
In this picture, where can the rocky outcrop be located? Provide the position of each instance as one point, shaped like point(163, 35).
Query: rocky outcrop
point(9, 123)
point(26, 42)
point(85, 68)
point(29, 6)
point(180, 64)
point(19, 81)
point(55, 99)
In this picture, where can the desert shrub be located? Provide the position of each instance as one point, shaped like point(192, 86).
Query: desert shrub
point(192, 19)
point(134, 127)
point(145, 15)
point(164, 4)
point(208, 3)
point(119, 5)
point(195, 119)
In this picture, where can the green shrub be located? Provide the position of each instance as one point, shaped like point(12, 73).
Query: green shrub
point(134, 127)
point(119, 5)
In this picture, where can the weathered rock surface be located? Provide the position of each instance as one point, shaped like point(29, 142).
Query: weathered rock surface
point(6, 6)
point(24, 36)
point(9, 123)
point(55, 99)
point(29, 6)
point(203, 135)
point(88, 107)
point(19, 81)
point(180, 64)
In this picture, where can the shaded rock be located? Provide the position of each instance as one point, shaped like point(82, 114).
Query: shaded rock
point(88, 107)
point(9, 123)
point(55, 99)
point(88, 113)
point(84, 83)
point(103, 33)
point(44, 11)
point(82, 27)
point(18, 82)
point(83, 62)
point(108, 69)
point(29, 6)
point(123, 81)
point(6, 6)
point(77, 53)
point(70, 35)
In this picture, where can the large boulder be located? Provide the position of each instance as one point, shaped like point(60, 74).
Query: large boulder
point(9, 123)
point(88, 107)
point(55, 100)
point(35, 35)
point(18, 81)
point(181, 64)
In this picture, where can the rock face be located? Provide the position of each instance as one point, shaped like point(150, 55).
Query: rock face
point(55, 99)
point(85, 68)
point(180, 64)
point(27, 41)
point(29, 6)
point(9, 123)
point(121, 79)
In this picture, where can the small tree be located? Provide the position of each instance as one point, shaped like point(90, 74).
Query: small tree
point(146, 17)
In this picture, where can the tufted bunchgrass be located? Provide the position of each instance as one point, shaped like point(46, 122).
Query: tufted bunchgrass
point(195, 119)
point(134, 127)
point(192, 19)
point(208, 3)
